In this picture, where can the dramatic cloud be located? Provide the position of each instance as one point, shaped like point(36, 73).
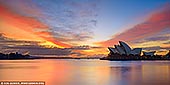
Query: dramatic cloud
point(57, 24)
point(157, 22)
point(14, 25)
point(152, 48)
point(159, 50)
point(33, 48)
point(161, 38)
point(72, 23)
point(4, 41)
point(167, 42)
point(30, 47)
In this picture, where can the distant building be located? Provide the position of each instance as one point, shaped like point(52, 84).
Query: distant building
point(124, 49)
point(149, 53)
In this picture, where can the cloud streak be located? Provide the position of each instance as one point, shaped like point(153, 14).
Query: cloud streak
point(33, 48)
point(61, 25)
point(157, 22)
point(12, 22)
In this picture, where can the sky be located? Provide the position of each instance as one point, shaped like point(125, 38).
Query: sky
point(83, 27)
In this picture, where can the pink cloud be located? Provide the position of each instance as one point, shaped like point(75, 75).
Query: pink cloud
point(23, 23)
point(157, 22)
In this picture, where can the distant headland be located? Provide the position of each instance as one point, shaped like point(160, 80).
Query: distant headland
point(18, 56)
point(13, 56)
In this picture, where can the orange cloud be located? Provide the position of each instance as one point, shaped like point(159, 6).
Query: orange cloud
point(157, 22)
point(16, 26)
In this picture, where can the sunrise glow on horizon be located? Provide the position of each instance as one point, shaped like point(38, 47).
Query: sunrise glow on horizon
point(83, 27)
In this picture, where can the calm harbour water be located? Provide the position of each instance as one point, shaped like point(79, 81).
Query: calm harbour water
point(86, 72)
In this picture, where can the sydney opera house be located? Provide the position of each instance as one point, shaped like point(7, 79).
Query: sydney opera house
point(123, 51)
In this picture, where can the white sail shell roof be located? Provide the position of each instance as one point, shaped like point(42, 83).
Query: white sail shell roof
point(120, 49)
point(126, 47)
point(136, 51)
point(113, 50)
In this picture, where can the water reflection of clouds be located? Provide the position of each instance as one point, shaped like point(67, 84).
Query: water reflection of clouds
point(18, 64)
point(18, 67)
point(18, 61)
point(89, 72)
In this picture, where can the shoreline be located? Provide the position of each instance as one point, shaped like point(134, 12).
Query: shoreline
point(36, 58)
point(135, 59)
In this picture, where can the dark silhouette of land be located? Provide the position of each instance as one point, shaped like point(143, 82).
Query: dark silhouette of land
point(111, 57)
point(13, 56)
point(118, 57)
point(17, 56)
